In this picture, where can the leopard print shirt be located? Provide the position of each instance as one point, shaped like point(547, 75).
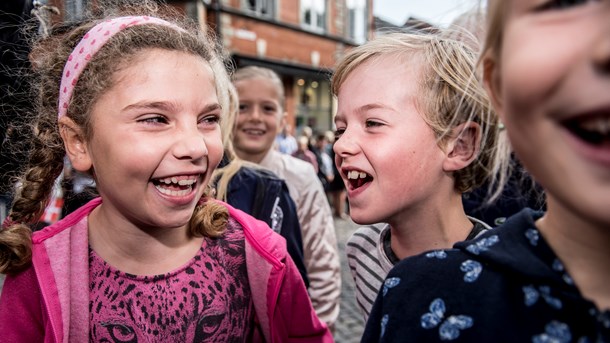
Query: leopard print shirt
point(206, 300)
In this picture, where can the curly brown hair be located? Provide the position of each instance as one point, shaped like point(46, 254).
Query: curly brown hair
point(46, 158)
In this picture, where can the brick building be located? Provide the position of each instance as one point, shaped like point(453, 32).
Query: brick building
point(299, 39)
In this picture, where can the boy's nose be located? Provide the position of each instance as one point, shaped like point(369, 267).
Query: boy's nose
point(345, 146)
point(255, 113)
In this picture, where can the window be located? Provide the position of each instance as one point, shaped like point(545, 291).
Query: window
point(357, 18)
point(313, 14)
point(261, 8)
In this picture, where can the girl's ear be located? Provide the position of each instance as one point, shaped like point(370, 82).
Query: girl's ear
point(463, 146)
point(75, 144)
point(491, 80)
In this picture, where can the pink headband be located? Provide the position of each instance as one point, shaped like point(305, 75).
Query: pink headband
point(93, 40)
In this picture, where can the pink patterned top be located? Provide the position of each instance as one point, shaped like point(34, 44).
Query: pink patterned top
point(206, 300)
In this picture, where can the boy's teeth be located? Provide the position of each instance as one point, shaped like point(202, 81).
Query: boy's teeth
point(353, 174)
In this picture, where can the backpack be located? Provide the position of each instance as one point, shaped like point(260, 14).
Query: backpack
point(263, 195)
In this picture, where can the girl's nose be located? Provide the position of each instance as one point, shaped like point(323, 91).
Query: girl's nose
point(601, 52)
point(190, 145)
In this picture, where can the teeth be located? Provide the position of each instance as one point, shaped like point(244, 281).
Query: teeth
point(173, 192)
point(354, 175)
point(600, 125)
point(174, 180)
point(186, 182)
point(254, 132)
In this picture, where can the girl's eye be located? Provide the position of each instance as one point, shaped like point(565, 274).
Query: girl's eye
point(243, 108)
point(562, 4)
point(153, 120)
point(210, 119)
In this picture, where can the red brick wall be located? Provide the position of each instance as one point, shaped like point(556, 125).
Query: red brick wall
point(282, 44)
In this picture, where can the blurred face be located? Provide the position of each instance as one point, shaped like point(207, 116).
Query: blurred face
point(156, 140)
point(387, 155)
point(553, 92)
point(258, 122)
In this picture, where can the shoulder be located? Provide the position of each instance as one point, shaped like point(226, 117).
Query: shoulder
point(258, 234)
point(366, 237)
point(66, 223)
point(289, 167)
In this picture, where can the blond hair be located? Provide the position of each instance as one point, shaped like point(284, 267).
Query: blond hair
point(222, 176)
point(46, 156)
point(254, 72)
point(450, 94)
point(496, 18)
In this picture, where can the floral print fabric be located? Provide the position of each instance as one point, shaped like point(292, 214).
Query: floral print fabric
point(505, 286)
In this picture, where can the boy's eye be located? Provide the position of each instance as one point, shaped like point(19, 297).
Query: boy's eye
point(562, 4)
point(372, 123)
point(338, 133)
point(269, 108)
point(243, 107)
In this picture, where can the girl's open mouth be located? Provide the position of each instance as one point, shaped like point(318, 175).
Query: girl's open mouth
point(176, 185)
point(593, 130)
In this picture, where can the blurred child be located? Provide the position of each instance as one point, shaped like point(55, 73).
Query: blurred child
point(412, 136)
point(540, 277)
point(261, 115)
point(257, 191)
point(152, 259)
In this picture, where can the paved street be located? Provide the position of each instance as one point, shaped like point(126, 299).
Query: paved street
point(350, 324)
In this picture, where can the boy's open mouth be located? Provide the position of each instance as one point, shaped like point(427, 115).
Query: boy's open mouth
point(358, 179)
point(176, 185)
point(594, 130)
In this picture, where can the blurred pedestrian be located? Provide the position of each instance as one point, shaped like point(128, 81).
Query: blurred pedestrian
point(304, 153)
point(285, 141)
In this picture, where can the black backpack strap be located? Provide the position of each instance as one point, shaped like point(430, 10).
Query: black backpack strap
point(259, 196)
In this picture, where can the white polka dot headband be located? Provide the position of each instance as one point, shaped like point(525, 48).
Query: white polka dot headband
point(90, 44)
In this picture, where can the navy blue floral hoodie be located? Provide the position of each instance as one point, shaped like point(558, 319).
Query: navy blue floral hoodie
point(505, 286)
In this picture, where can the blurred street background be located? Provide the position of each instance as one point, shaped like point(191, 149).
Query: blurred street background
point(350, 324)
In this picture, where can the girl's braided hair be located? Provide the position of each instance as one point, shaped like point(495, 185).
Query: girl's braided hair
point(46, 156)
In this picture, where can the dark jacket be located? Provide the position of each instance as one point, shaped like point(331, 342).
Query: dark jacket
point(507, 285)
